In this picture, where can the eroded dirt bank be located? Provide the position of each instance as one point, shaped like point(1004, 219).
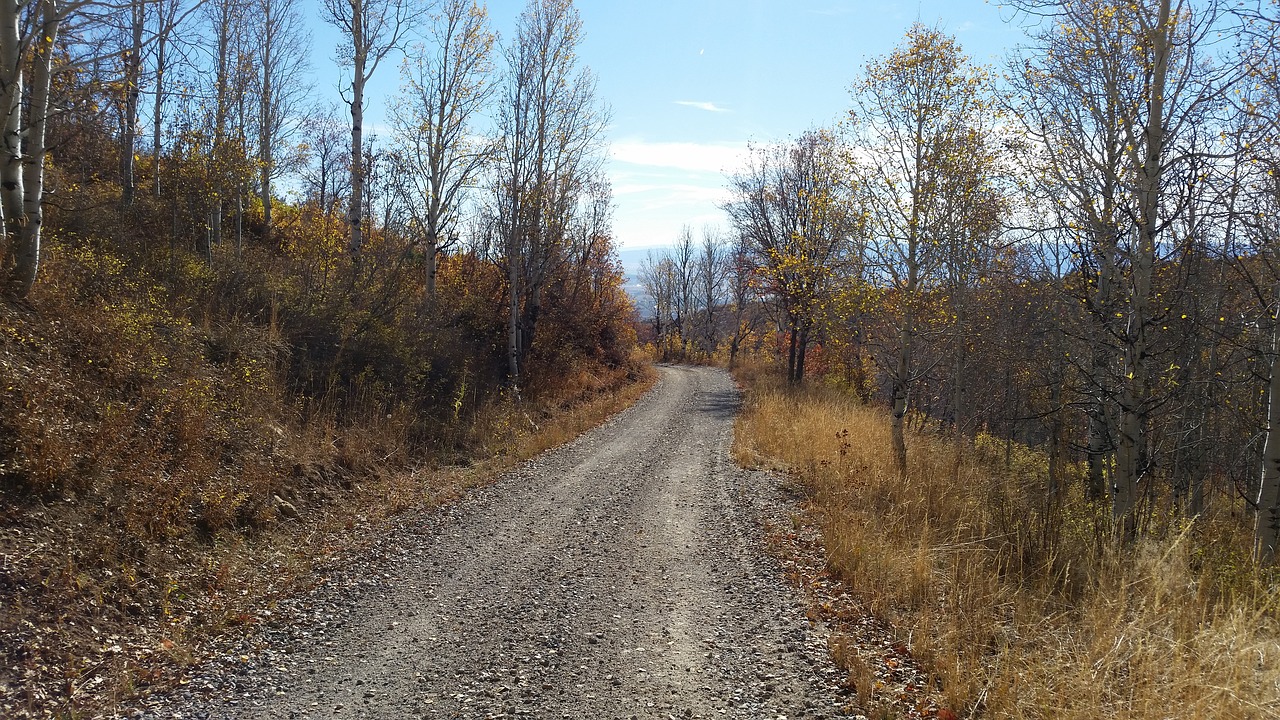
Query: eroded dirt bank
point(619, 576)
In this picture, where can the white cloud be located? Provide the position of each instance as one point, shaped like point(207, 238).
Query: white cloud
point(708, 106)
point(625, 188)
point(661, 186)
point(690, 157)
point(685, 197)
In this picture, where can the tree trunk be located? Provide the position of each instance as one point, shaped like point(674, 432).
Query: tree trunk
point(22, 177)
point(898, 403)
point(239, 220)
point(215, 220)
point(958, 355)
point(1131, 458)
point(513, 315)
point(1130, 450)
point(1098, 442)
point(162, 41)
point(1055, 482)
point(1267, 523)
point(793, 339)
point(265, 152)
point(432, 256)
point(1055, 486)
point(801, 351)
point(132, 79)
point(532, 312)
point(358, 77)
point(11, 197)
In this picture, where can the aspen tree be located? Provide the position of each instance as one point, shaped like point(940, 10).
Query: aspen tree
point(136, 16)
point(1259, 163)
point(1116, 91)
point(26, 28)
point(282, 44)
point(550, 124)
point(658, 278)
point(918, 114)
point(682, 261)
point(225, 18)
point(793, 206)
point(712, 272)
point(168, 15)
point(438, 157)
point(371, 30)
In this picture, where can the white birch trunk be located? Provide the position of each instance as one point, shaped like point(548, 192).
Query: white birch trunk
point(1267, 523)
point(22, 177)
point(33, 172)
point(358, 79)
point(11, 197)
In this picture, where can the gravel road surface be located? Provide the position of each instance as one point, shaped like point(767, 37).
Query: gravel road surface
point(620, 576)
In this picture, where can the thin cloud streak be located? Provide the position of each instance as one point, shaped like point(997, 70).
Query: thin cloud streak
point(707, 106)
point(689, 157)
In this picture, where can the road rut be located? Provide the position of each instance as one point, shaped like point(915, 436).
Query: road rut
point(622, 575)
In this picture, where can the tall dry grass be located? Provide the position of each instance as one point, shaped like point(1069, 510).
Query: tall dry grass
point(1022, 609)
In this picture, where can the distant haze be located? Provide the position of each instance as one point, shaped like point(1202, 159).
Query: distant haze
point(631, 259)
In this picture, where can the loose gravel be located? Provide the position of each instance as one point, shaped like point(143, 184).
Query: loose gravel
point(620, 576)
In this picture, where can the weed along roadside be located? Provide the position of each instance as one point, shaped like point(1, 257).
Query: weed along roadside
point(957, 589)
point(83, 637)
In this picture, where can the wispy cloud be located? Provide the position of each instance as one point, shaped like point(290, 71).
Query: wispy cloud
point(661, 186)
point(838, 10)
point(689, 157)
point(674, 195)
point(708, 106)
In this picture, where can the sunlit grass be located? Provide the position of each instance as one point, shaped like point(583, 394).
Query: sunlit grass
point(1018, 611)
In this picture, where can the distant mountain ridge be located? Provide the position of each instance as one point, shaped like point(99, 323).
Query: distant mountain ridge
point(632, 259)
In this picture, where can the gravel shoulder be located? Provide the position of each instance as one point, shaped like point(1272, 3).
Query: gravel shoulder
point(622, 575)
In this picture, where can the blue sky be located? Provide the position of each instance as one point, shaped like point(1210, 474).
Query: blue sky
point(692, 82)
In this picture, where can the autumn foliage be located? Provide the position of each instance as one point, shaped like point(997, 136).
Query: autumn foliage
point(1041, 430)
point(188, 421)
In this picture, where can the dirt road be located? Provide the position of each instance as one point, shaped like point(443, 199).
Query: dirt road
point(619, 576)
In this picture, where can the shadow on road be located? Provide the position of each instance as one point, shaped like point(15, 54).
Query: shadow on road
point(719, 404)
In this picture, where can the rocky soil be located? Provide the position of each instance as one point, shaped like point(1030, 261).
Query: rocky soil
point(621, 576)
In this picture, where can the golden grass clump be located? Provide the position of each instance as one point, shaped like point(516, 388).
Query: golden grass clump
point(1022, 609)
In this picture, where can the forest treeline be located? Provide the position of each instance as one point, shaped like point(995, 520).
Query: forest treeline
point(1077, 252)
point(225, 310)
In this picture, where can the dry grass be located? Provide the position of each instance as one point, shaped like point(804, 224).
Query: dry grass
point(89, 629)
point(160, 485)
point(1019, 612)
